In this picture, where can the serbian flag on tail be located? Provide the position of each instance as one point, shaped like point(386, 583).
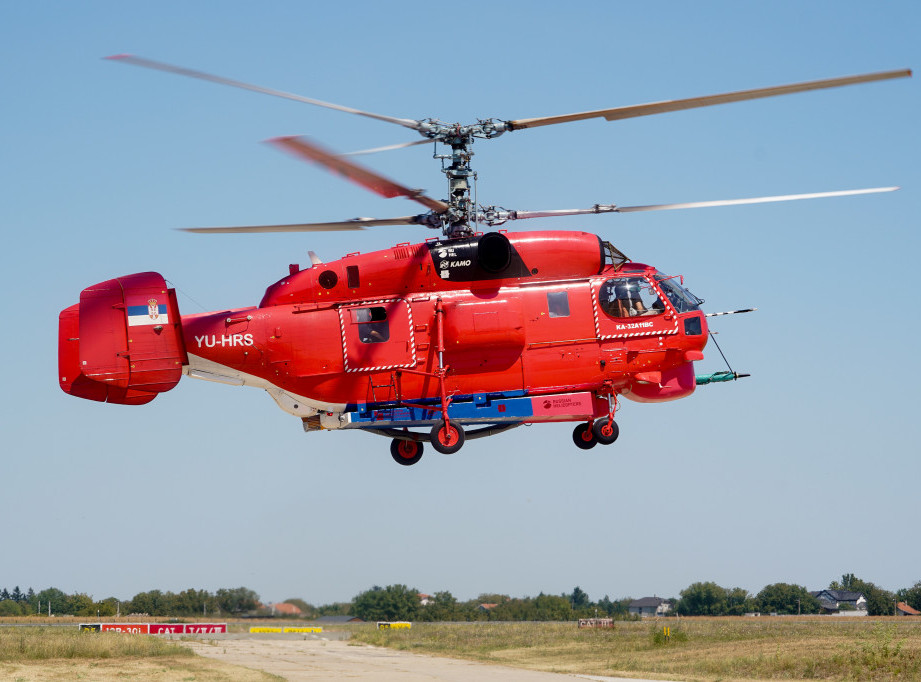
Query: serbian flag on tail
point(143, 311)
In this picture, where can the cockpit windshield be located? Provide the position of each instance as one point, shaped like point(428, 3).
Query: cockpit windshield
point(682, 299)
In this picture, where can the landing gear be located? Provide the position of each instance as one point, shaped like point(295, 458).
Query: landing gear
point(583, 437)
point(589, 434)
point(447, 438)
point(605, 431)
point(405, 452)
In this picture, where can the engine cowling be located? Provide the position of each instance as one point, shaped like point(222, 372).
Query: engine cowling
point(122, 343)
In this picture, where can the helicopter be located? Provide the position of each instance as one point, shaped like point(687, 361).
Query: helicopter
point(462, 336)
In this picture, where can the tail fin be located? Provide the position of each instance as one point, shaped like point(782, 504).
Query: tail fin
point(122, 343)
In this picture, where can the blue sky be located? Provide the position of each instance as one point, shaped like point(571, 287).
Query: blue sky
point(803, 472)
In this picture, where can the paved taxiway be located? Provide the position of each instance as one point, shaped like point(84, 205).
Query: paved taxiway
point(302, 660)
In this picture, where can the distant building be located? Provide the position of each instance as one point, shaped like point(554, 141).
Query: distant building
point(841, 602)
point(649, 606)
point(283, 609)
point(903, 609)
point(487, 607)
point(425, 599)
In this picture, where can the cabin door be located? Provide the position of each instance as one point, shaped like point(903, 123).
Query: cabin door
point(377, 336)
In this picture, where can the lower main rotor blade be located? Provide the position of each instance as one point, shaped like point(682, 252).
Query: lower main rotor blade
point(356, 224)
point(754, 200)
point(503, 215)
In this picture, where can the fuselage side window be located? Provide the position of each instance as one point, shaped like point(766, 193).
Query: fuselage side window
point(351, 274)
point(372, 324)
point(629, 297)
point(558, 304)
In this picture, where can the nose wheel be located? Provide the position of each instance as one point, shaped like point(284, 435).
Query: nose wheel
point(583, 437)
point(605, 430)
point(589, 434)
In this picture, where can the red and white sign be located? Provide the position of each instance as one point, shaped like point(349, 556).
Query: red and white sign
point(166, 629)
point(130, 628)
point(205, 628)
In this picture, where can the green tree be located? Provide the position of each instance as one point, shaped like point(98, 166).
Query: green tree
point(442, 607)
point(579, 599)
point(192, 602)
point(151, 603)
point(703, 599)
point(106, 607)
point(616, 609)
point(236, 600)
point(911, 595)
point(8, 607)
point(80, 604)
point(847, 580)
point(786, 598)
point(551, 607)
point(338, 608)
point(738, 601)
point(394, 602)
point(55, 597)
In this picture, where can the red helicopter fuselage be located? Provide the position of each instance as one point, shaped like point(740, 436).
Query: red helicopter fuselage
point(487, 317)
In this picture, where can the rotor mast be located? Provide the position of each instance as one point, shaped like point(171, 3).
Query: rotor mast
point(462, 209)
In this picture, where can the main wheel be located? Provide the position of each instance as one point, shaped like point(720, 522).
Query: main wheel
point(405, 452)
point(583, 437)
point(605, 433)
point(447, 438)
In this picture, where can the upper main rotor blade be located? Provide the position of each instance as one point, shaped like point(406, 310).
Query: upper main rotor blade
point(618, 113)
point(191, 73)
point(359, 174)
point(356, 224)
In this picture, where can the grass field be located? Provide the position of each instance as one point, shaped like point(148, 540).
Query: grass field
point(703, 649)
point(37, 654)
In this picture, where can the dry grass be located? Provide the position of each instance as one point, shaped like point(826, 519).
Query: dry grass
point(39, 653)
point(42, 643)
point(700, 649)
point(135, 670)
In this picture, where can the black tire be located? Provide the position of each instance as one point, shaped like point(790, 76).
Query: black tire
point(405, 452)
point(583, 437)
point(602, 433)
point(447, 440)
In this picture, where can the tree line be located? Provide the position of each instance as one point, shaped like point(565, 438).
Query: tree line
point(400, 602)
point(201, 603)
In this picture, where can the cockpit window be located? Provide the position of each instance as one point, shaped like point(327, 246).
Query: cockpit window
point(682, 299)
point(629, 297)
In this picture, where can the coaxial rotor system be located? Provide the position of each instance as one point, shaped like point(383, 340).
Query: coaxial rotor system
point(457, 215)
